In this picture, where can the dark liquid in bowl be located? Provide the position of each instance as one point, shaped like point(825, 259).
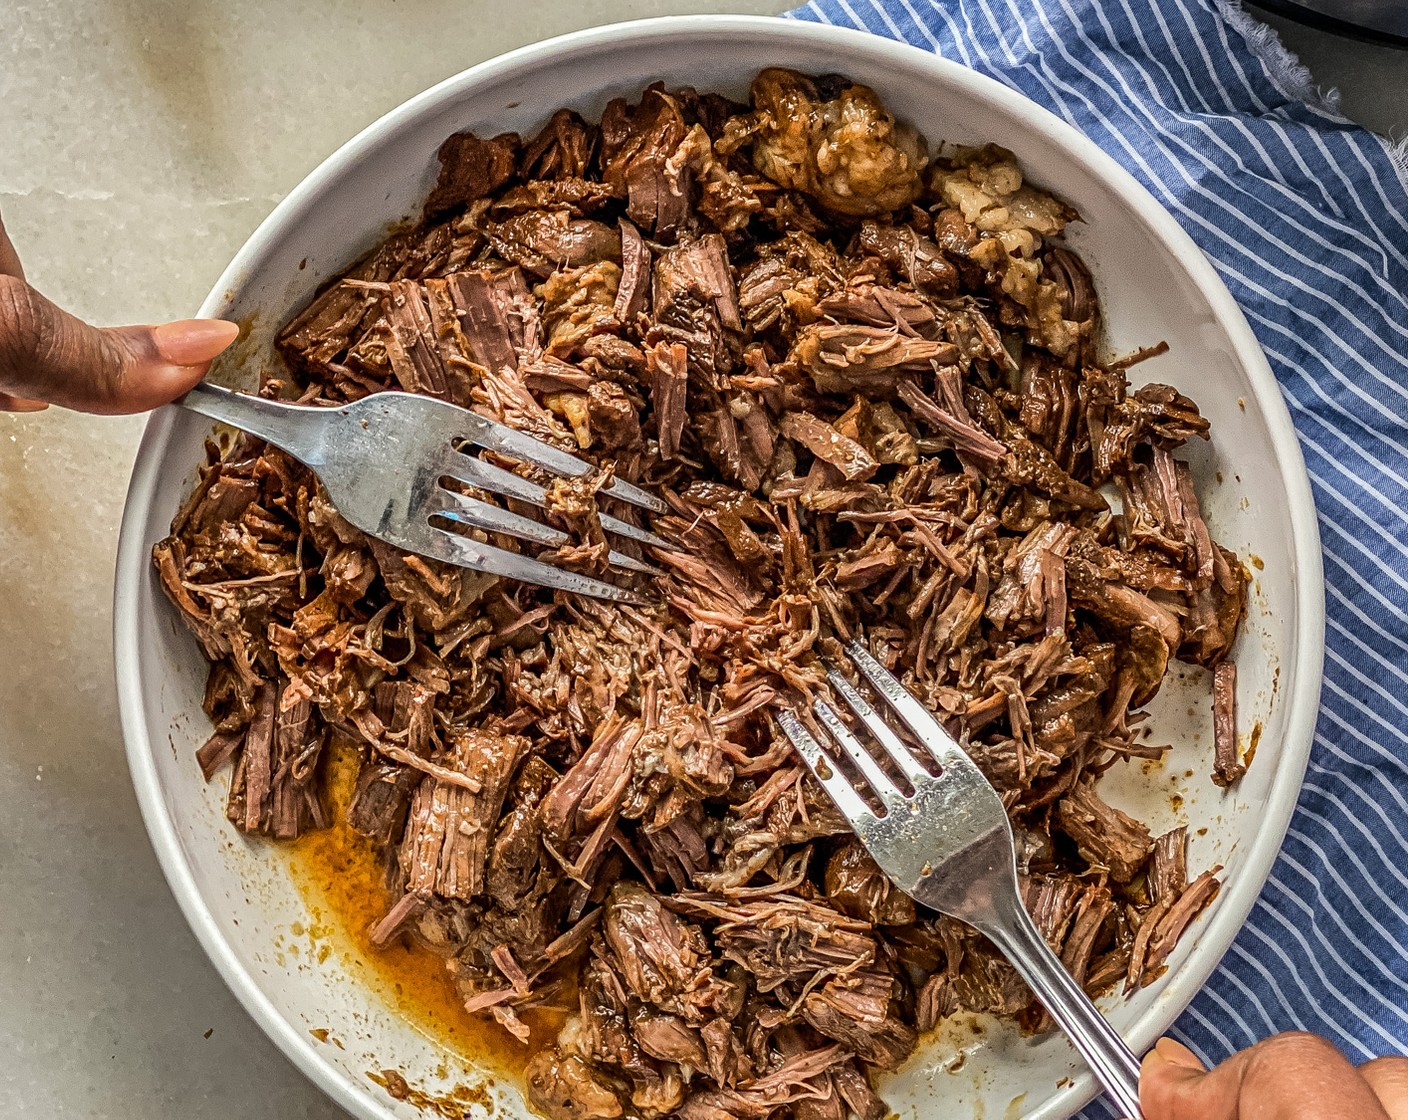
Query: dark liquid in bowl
point(340, 875)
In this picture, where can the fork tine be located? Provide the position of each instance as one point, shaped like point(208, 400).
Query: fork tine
point(493, 436)
point(497, 480)
point(832, 780)
point(492, 518)
point(634, 532)
point(921, 721)
point(469, 553)
point(898, 753)
point(495, 519)
point(631, 564)
point(879, 781)
point(488, 476)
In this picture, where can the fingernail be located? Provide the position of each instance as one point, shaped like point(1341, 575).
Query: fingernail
point(20, 404)
point(1176, 1054)
point(191, 342)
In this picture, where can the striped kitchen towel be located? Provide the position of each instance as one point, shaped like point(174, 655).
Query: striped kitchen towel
point(1306, 217)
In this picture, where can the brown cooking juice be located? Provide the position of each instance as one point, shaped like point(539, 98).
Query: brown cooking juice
point(340, 875)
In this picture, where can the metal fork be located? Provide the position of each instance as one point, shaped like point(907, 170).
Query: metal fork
point(383, 460)
point(948, 845)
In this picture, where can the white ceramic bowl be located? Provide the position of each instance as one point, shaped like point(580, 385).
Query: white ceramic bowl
point(1154, 284)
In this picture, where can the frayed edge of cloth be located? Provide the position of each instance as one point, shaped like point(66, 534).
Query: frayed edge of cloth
point(1293, 79)
point(1287, 73)
point(1397, 152)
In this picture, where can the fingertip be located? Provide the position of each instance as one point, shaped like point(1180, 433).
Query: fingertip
point(1168, 1072)
point(194, 342)
point(20, 404)
point(1175, 1053)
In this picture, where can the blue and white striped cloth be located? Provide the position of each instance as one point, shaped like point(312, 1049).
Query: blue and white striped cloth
point(1306, 217)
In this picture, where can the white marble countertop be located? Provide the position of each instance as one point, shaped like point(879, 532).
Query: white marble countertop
point(143, 141)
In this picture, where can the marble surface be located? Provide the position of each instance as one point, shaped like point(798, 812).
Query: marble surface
point(144, 140)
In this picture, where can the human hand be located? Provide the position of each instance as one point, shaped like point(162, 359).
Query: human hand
point(49, 357)
point(1290, 1076)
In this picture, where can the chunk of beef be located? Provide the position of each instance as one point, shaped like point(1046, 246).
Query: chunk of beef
point(669, 384)
point(1105, 835)
point(843, 357)
point(955, 426)
point(856, 1091)
point(446, 845)
point(857, 1010)
point(612, 416)
point(987, 984)
point(579, 198)
point(410, 341)
point(1169, 928)
point(1118, 604)
point(783, 938)
point(578, 811)
point(436, 595)
point(693, 299)
point(1119, 423)
point(471, 169)
point(541, 241)
point(1227, 766)
point(826, 443)
point(328, 325)
point(634, 288)
point(668, 1038)
point(274, 790)
point(1168, 869)
point(878, 306)
point(913, 258)
point(641, 161)
point(563, 1087)
point(1215, 611)
point(517, 851)
point(497, 316)
point(562, 151)
point(859, 888)
point(1088, 929)
point(659, 956)
point(381, 801)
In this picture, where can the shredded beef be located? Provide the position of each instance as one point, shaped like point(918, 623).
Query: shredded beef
point(865, 382)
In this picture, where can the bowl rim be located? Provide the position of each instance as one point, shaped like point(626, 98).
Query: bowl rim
point(132, 562)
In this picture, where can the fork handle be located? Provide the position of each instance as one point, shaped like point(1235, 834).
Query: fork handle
point(1115, 1066)
point(287, 426)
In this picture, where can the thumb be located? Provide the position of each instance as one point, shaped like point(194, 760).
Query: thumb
point(1291, 1076)
point(1173, 1085)
point(48, 355)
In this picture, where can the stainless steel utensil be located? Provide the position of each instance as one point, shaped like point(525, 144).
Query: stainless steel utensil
point(947, 844)
point(384, 460)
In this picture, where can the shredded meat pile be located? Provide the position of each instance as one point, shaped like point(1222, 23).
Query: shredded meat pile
point(866, 383)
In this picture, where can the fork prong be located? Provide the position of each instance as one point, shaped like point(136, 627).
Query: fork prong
point(880, 782)
point(493, 436)
point(631, 564)
point(493, 478)
point(832, 780)
point(634, 532)
point(470, 553)
point(937, 741)
point(893, 746)
point(496, 519)
point(497, 480)
point(492, 518)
